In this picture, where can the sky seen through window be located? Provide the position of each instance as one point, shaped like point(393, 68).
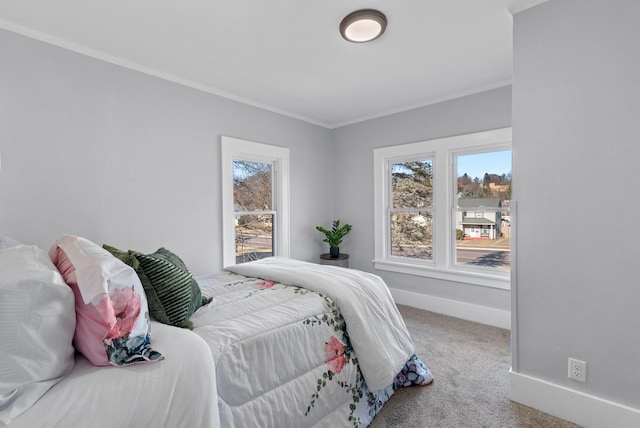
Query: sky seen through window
point(477, 164)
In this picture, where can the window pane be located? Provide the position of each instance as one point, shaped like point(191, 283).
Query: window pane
point(484, 175)
point(252, 183)
point(254, 237)
point(483, 241)
point(252, 192)
point(482, 219)
point(412, 184)
point(412, 234)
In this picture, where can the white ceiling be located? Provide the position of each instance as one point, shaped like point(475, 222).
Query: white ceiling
point(287, 55)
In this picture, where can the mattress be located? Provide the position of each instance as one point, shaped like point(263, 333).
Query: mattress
point(178, 391)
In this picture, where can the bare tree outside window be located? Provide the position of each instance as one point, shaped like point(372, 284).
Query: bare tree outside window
point(254, 209)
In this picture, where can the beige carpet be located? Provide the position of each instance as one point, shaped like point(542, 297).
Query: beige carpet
point(470, 363)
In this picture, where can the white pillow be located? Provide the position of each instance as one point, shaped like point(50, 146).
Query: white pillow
point(37, 322)
point(6, 242)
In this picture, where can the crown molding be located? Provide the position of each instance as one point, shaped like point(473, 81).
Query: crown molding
point(520, 5)
point(93, 53)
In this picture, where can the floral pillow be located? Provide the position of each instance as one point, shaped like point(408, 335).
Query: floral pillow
point(112, 319)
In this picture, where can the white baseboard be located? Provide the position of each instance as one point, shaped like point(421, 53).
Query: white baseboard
point(467, 311)
point(578, 407)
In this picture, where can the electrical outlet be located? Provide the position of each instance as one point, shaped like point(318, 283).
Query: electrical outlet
point(577, 370)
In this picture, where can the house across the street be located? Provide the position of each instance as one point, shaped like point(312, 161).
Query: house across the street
point(479, 218)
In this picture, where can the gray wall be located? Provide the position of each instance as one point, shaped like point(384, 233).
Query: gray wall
point(576, 177)
point(353, 179)
point(97, 150)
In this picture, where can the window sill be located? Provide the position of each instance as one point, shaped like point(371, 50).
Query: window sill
point(466, 277)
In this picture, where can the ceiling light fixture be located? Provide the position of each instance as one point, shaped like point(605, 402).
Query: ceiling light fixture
point(363, 25)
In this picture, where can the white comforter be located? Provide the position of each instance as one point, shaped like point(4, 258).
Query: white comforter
point(376, 329)
point(283, 357)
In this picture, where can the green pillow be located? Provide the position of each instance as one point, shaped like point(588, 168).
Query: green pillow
point(173, 295)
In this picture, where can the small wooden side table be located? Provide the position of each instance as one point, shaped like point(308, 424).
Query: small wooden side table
point(342, 260)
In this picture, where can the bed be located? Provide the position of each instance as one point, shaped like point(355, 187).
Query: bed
point(279, 343)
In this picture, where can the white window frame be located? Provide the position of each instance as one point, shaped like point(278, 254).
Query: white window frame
point(236, 149)
point(442, 150)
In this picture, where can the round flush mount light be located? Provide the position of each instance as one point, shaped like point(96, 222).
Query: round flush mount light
point(363, 25)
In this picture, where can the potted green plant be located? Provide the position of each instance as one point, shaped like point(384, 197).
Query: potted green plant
point(334, 236)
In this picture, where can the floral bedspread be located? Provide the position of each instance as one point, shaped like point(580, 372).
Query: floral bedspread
point(283, 357)
point(377, 331)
